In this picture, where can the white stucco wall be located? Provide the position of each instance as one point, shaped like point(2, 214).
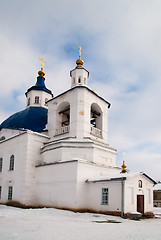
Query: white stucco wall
point(95, 196)
point(86, 190)
point(69, 149)
point(7, 133)
point(64, 150)
point(16, 146)
point(63, 184)
point(56, 185)
point(35, 142)
point(26, 150)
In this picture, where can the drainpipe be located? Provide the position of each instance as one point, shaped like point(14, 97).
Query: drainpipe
point(122, 197)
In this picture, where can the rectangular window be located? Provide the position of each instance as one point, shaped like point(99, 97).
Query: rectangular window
point(104, 196)
point(10, 191)
point(0, 191)
point(37, 100)
point(1, 162)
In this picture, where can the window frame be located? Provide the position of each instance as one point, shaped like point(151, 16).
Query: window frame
point(140, 184)
point(37, 100)
point(10, 193)
point(12, 162)
point(105, 196)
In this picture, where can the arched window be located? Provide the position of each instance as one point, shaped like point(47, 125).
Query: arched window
point(140, 184)
point(11, 167)
point(85, 81)
point(36, 100)
point(1, 163)
point(79, 80)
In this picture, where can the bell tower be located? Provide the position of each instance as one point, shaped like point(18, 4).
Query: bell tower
point(78, 122)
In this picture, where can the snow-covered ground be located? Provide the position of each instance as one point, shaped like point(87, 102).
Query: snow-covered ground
point(47, 224)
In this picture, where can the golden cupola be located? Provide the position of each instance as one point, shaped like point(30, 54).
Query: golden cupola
point(124, 165)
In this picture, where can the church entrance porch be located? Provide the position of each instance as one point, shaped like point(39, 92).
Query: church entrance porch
point(140, 203)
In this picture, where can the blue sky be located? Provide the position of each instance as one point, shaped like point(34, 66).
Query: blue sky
point(121, 43)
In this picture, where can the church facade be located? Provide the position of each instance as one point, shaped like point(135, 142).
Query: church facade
point(55, 153)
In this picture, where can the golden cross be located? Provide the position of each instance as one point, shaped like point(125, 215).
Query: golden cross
point(80, 49)
point(123, 156)
point(42, 59)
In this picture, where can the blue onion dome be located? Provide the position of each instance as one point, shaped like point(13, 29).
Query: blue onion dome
point(40, 85)
point(32, 118)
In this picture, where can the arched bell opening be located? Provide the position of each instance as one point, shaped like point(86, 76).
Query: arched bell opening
point(63, 118)
point(96, 120)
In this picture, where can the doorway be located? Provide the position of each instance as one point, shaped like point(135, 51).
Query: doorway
point(140, 203)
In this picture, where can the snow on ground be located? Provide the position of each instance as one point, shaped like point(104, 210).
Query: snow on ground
point(53, 224)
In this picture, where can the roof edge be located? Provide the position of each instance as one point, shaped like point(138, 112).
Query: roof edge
point(144, 174)
point(78, 68)
point(80, 86)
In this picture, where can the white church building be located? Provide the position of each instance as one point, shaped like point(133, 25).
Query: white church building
point(55, 153)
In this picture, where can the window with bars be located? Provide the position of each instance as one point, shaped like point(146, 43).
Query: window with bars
point(1, 163)
point(104, 196)
point(11, 167)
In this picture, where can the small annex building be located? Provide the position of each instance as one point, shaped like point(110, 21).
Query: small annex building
point(157, 195)
point(55, 153)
